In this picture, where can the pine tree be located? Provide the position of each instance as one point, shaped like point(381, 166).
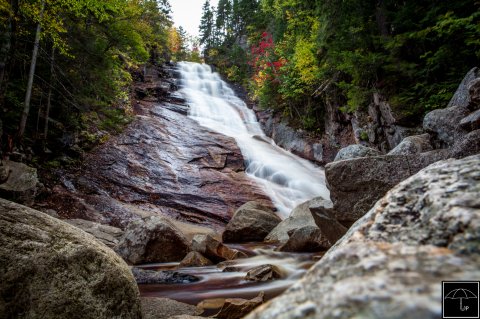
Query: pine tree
point(207, 26)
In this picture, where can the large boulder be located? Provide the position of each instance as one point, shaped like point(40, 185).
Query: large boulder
point(391, 262)
point(413, 145)
point(299, 217)
point(153, 239)
point(251, 222)
point(444, 124)
point(49, 269)
point(354, 151)
point(108, 235)
point(356, 184)
point(19, 183)
point(213, 249)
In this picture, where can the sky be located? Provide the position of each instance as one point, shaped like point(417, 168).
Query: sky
point(187, 13)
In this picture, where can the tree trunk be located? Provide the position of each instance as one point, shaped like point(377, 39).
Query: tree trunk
point(28, 94)
point(49, 98)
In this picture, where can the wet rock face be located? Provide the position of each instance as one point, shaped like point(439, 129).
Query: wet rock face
point(391, 262)
point(162, 164)
point(251, 222)
point(50, 269)
point(153, 239)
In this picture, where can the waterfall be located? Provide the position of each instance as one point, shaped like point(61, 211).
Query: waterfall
point(288, 179)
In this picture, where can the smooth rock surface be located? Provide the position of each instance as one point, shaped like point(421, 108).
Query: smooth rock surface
point(153, 239)
point(444, 124)
point(195, 259)
point(391, 262)
point(21, 185)
point(163, 164)
point(50, 269)
point(164, 308)
point(250, 223)
point(413, 145)
point(299, 217)
point(108, 235)
point(213, 249)
point(354, 151)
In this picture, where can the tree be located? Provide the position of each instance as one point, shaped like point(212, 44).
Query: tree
point(206, 27)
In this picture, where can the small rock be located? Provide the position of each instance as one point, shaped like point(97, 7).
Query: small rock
point(164, 308)
point(153, 239)
point(299, 217)
point(328, 225)
point(195, 259)
point(413, 145)
point(263, 273)
point(143, 276)
point(213, 249)
point(306, 239)
point(354, 151)
point(251, 222)
point(472, 121)
point(236, 308)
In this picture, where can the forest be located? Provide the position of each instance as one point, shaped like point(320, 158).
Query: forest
point(66, 67)
point(296, 55)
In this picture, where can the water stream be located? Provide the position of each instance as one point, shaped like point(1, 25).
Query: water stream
point(288, 179)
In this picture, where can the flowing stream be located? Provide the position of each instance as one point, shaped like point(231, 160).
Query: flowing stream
point(288, 179)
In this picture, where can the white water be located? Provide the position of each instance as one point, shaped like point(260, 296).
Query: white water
point(288, 179)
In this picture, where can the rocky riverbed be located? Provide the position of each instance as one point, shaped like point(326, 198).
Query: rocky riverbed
point(173, 201)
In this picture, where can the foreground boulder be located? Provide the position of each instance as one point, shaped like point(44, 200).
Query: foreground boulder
point(153, 239)
point(355, 151)
point(213, 249)
point(356, 184)
point(19, 182)
point(49, 269)
point(251, 222)
point(391, 262)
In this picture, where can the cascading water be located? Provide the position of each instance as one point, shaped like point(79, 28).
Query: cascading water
point(288, 179)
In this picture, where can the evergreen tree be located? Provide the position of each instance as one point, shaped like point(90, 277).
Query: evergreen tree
point(206, 27)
